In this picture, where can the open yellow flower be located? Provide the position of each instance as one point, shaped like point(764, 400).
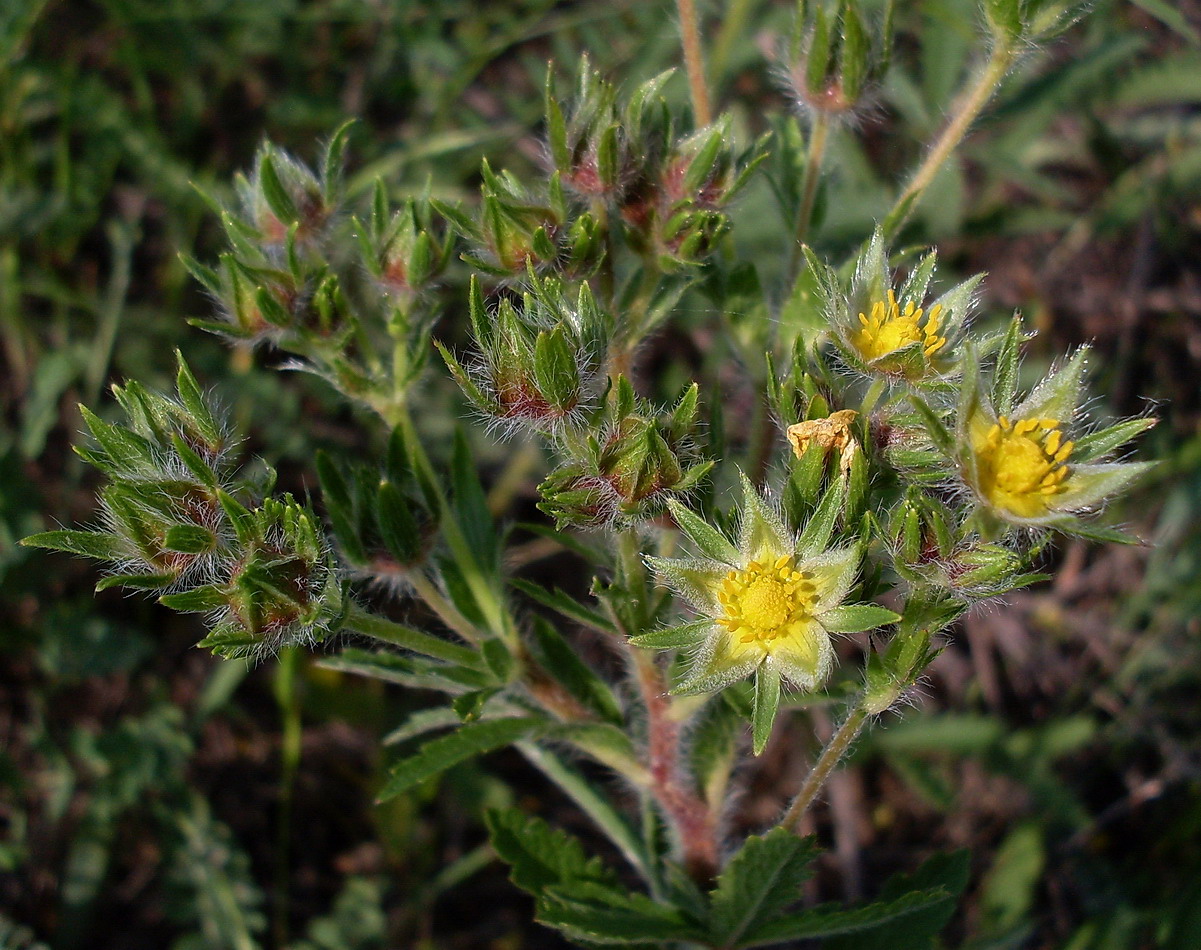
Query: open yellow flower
point(888, 329)
point(1024, 467)
point(767, 606)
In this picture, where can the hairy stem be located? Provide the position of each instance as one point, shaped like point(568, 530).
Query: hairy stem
point(965, 111)
point(694, 822)
point(837, 747)
point(690, 36)
point(813, 164)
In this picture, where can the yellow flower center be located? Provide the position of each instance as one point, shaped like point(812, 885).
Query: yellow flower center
point(1021, 465)
point(888, 328)
point(762, 602)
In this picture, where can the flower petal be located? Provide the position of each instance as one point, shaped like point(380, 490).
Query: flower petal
point(833, 576)
point(805, 656)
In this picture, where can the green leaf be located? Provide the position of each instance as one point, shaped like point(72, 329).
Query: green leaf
point(607, 916)
point(924, 901)
point(540, 856)
point(565, 604)
point(562, 662)
point(759, 882)
point(397, 526)
point(437, 755)
point(895, 918)
point(854, 618)
point(471, 506)
point(193, 401)
point(767, 702)
point(98, 544)
point(136, 581)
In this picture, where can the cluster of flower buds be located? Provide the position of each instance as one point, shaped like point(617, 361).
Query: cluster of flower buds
point(385, 524)
point(402, 250)
point(516, 231)
point(538, 360)
point(639, 460)
point(668, 192)
point(180, 521)
point(834, 57)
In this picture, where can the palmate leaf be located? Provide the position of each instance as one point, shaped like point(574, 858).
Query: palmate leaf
point(475, 738)
point(762, 879)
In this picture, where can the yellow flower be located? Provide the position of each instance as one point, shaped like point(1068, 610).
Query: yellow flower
point(767, 606)
point(1021, 466)
point(889, 328)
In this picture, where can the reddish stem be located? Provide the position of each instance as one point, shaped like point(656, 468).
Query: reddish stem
point(694, 821)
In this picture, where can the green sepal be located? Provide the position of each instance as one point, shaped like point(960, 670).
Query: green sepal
point(669, 638)
point(136, 581)
point(98, 544)
point(711, 542)
point(198, 600)
point(274, 192)
point(189, 539)
point(855, 618)
point(767, 702)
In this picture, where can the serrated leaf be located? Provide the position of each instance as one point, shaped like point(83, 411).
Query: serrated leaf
point(759, 882)
point(540, 856)
point(833, 920)
point(604, 915)
point(437, 755)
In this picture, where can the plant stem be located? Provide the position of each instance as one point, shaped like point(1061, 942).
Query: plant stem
point(830, 757)
point(690, 36)
point(694, 822)
point(813, 163)
point(428, 591)
point(969, 105)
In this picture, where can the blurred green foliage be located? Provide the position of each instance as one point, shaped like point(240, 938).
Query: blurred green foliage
point(141, 805)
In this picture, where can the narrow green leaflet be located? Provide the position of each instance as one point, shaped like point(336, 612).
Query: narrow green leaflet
point(562, 661)
point(606, 916)
point(831, 920)
point(471, 740)
point(759, 882)
point(565, 604)
point(102, 546)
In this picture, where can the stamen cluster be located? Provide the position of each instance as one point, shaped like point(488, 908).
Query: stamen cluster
point(1021, 463)
point(889, 328)
point(763, 603)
